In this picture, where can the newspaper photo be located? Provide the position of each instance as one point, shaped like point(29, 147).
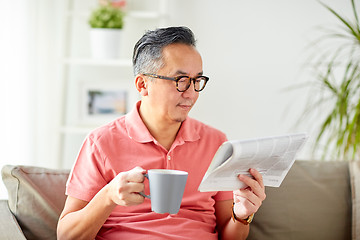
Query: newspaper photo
point(271, 156)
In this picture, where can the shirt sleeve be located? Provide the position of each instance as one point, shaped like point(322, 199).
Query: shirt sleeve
point(87, 176)
point(221, 196)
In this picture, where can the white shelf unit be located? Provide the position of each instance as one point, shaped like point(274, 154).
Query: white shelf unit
point(78, 68)
point(95, 62)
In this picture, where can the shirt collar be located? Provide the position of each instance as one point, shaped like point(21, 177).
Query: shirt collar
point(138, 131)
point(188, 131)
point(135, 126)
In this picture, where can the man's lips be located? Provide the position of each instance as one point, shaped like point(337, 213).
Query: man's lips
point(185, 106)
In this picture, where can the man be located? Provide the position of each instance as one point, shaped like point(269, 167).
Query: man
point(103, 189)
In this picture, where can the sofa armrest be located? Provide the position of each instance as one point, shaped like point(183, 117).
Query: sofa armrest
point(9, 227)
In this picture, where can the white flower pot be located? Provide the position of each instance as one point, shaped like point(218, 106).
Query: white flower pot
point(105, 43)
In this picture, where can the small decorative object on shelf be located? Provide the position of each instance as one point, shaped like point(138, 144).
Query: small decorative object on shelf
point(106, 22)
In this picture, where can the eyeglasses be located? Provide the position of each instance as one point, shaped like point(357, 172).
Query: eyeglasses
point(183, 82)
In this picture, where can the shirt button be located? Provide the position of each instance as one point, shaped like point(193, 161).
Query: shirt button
point(168, 158)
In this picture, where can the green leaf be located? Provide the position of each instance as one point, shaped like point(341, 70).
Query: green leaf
point(107, 17)
point(336, 67)
point(347, 24)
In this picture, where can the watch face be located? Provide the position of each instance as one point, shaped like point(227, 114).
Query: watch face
point(250, 218)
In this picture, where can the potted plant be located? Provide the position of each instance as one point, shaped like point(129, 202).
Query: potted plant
point(106, 22)
point(337, 71)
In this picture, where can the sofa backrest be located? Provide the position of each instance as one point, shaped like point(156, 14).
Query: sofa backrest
point(36, 198)
point(313, 202)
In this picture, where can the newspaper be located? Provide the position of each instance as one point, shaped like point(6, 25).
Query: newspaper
point(271, 156)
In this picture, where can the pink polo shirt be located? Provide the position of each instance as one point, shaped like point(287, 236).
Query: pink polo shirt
point(126, 143)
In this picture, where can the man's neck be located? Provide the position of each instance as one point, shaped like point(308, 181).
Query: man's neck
point(163, 131)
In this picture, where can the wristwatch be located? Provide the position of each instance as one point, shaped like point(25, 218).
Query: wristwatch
point(245, 221)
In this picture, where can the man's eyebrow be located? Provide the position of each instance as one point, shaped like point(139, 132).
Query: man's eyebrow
point(179, 72)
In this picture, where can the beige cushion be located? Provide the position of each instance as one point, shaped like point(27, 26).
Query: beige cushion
point(36, 198)
point(313, 202)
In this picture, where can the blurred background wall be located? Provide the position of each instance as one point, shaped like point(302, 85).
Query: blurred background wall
point(253, 51)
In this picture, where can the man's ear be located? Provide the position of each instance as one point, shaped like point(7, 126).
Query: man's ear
point(141, 84)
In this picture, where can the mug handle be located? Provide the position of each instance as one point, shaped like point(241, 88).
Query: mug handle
point(142, 193)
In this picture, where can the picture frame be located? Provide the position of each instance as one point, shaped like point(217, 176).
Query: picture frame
point(102, 102)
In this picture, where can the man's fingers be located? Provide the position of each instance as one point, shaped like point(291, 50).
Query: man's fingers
point(125, 187)
point(134, 187)
point(136, 175)
point(131, 199)
point(247, 195)
point(258, 177)
point(256, 184)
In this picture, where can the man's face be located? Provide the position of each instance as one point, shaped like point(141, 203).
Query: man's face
point(166, 102)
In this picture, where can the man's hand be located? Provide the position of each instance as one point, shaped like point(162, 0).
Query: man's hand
point(125, 187)
point(248, 200)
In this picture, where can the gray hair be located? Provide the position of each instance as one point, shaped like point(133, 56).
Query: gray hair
point(147, 55)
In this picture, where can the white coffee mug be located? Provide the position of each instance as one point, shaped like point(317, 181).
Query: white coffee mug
point(166, 189)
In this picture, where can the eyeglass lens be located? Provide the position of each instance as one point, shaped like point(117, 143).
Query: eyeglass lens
point(184, 83)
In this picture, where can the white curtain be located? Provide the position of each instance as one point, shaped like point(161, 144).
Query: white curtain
point(29, 60)
point(15, 102)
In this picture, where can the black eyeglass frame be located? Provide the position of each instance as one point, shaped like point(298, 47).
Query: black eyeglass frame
point(176, 79)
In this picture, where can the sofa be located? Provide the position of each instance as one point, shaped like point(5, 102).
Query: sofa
point(317, 200)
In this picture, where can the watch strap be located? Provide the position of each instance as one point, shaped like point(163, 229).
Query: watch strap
point(245, 221)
